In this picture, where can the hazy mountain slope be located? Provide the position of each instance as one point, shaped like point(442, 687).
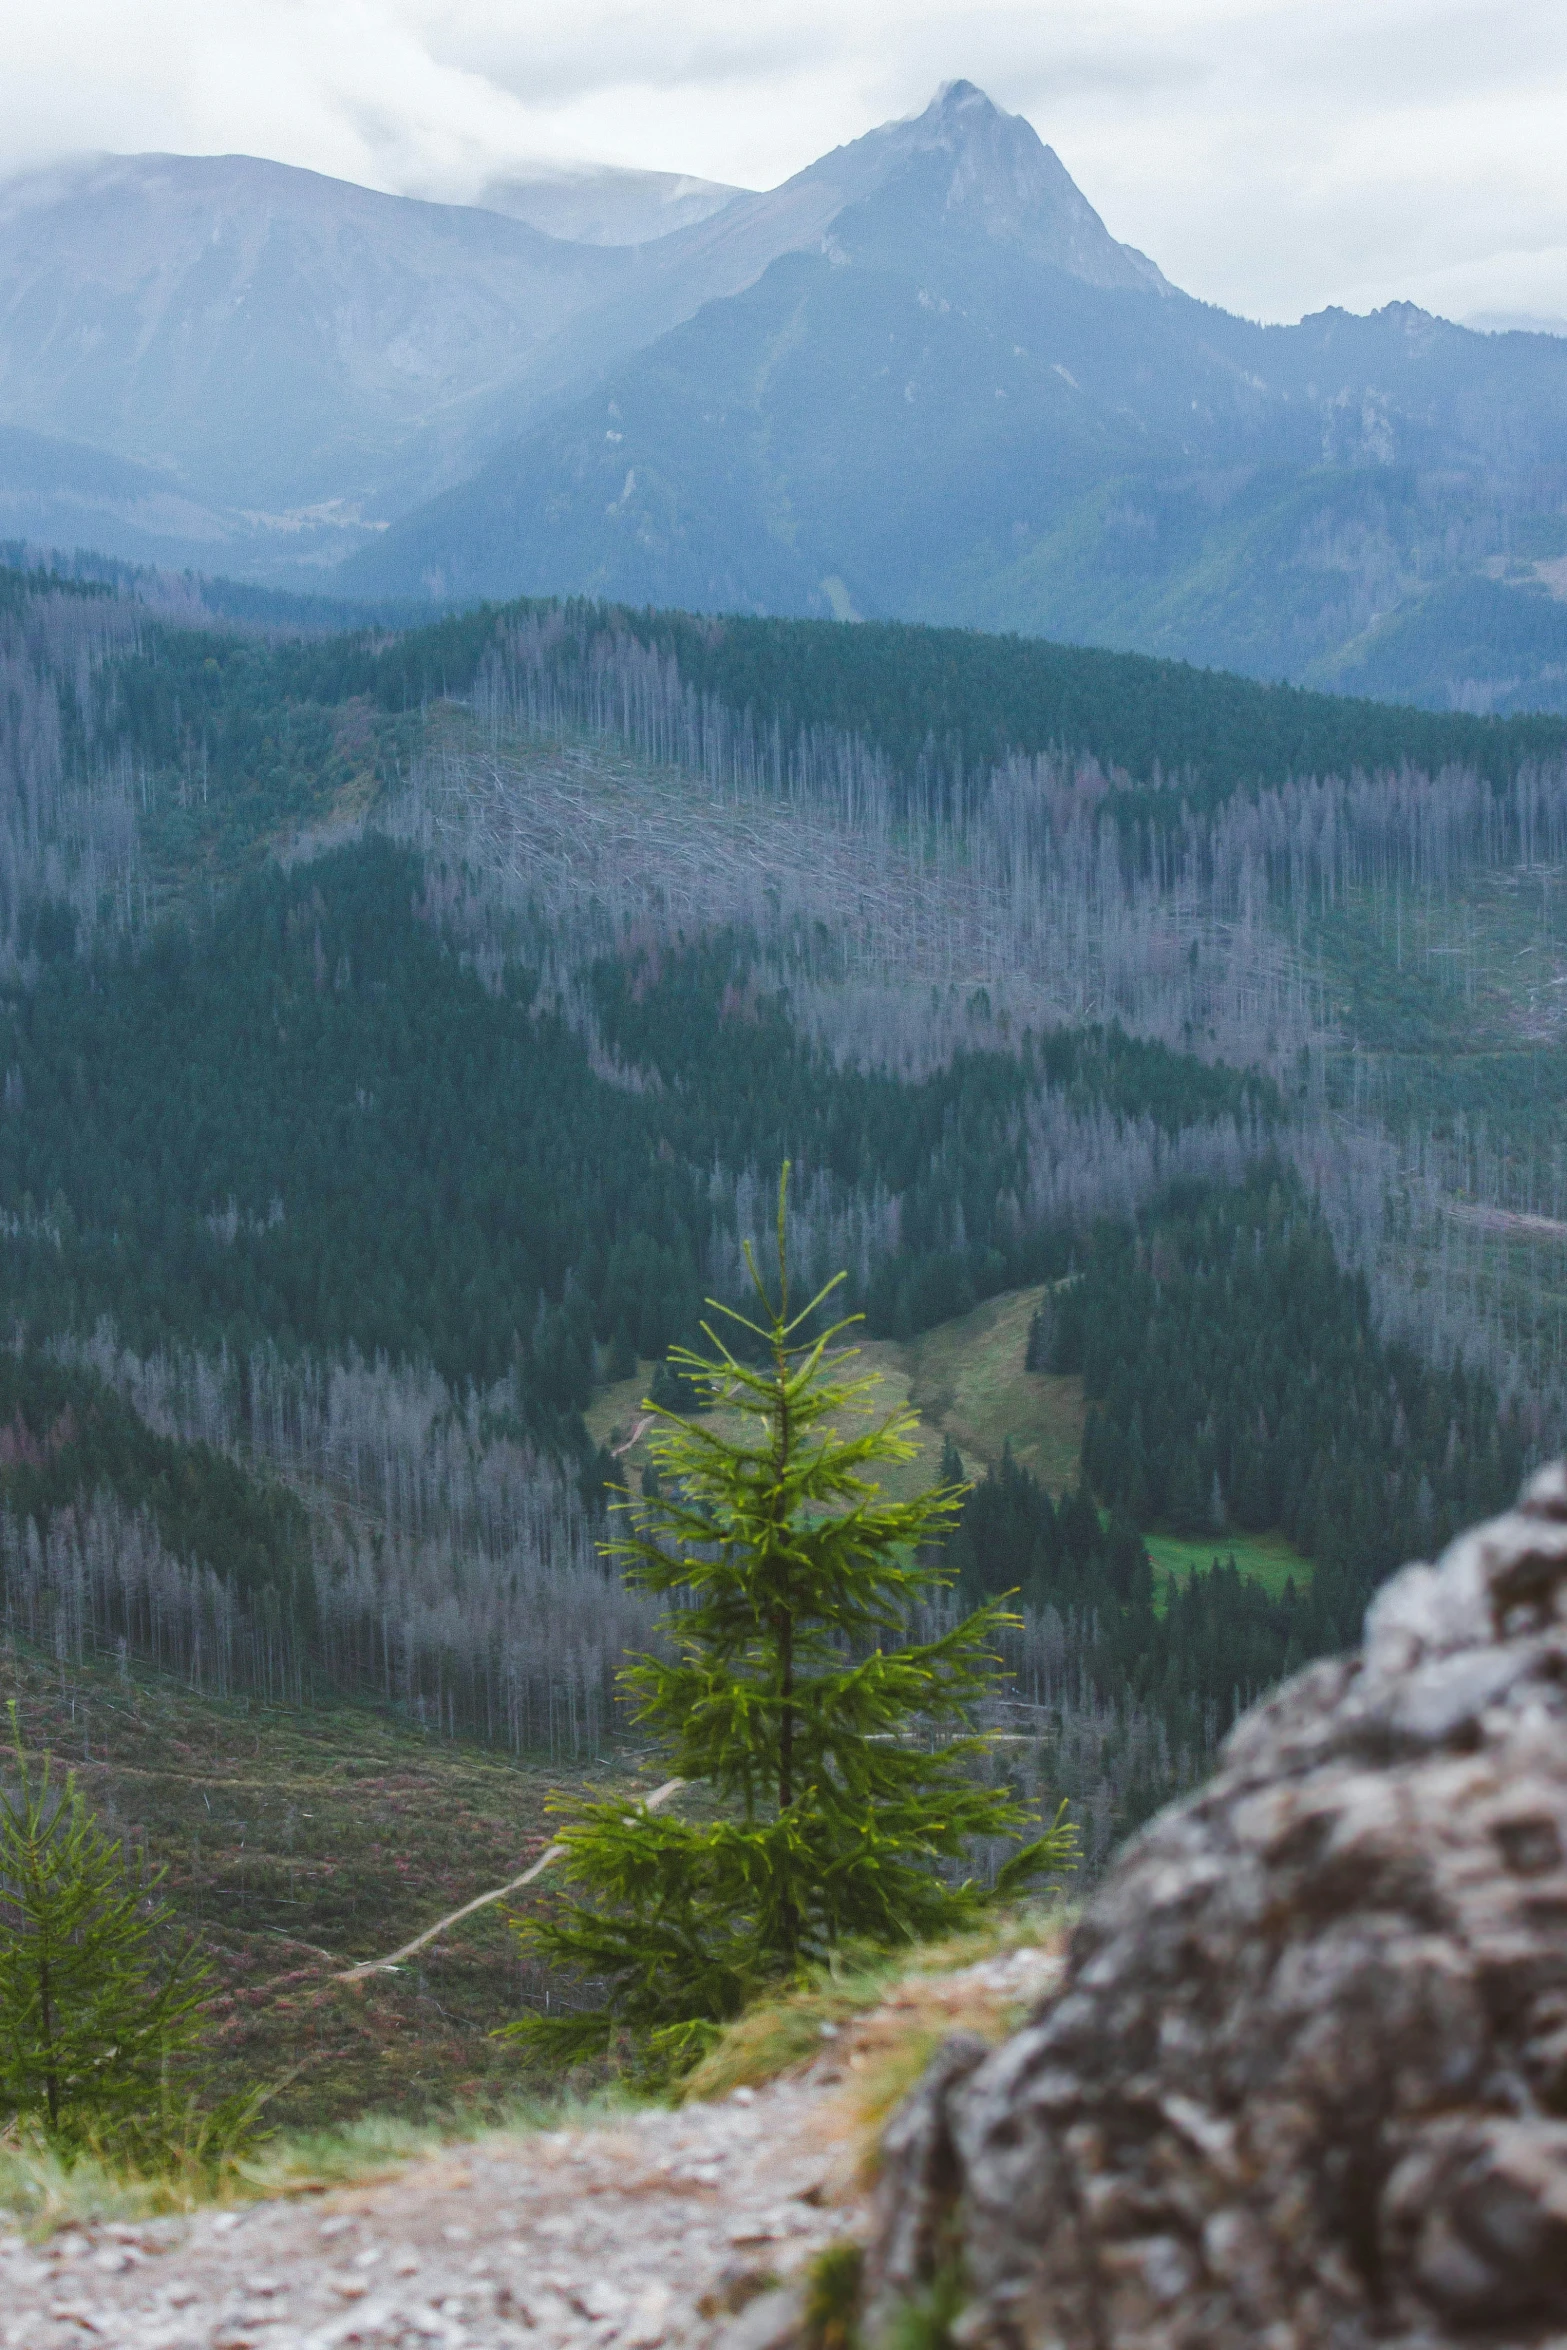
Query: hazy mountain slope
point(64, 495)
point(885, 341)
point(1493, 644)
point(280, 338)
point(921, 378)
point(824, 423)
point(957, 432)
point(278, 334)
point(1430, 500)
point(962, 166)
point(283, 341)
point(928, 414)
point(598, 204)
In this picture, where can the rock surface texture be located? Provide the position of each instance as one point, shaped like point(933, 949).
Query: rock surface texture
point(1305, 2082)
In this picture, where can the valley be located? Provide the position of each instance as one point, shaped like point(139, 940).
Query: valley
point(401, 1032)
point(299, 1840)
point(783, 1181)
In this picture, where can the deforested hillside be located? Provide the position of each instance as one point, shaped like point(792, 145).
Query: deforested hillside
point(297, 1840)
point(403, 1031)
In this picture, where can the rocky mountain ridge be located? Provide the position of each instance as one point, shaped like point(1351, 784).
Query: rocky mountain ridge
point(299, 359)
point(921, 379)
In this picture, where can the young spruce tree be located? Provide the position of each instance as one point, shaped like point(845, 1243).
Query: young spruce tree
point(837, 1750)
point(88, 2019)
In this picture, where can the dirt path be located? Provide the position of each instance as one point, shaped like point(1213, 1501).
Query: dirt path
point(658, 2230)
point(637, 2235)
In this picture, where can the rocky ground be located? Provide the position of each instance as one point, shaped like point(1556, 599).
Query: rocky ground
point(1304, 2086)
point(660, 2228)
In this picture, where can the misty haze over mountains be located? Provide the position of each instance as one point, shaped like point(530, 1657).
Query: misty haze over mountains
point(920, 379)
point(606, 205)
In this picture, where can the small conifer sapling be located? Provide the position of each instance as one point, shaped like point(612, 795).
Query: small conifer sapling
point(835, 1750)
point(89, 2019)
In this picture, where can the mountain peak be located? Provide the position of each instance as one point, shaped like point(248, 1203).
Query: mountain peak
point(952, 97)
point(1002, 180)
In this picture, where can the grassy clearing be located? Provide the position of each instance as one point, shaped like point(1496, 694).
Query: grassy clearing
point(297, 1843)
point(965, 1379)
point(968, 1381)
point(1269, 1559)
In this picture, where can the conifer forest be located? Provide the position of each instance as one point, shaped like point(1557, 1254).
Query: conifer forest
point(402, 1030)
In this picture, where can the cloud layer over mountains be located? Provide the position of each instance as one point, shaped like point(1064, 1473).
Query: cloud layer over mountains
point(1277, 155)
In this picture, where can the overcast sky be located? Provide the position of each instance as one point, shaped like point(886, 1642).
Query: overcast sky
point(1272, 155)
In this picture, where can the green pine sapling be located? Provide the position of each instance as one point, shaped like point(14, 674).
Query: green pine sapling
point(89, 2021)
point(836, 1750)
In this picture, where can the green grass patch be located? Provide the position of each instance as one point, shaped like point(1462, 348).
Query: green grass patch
point(42, 2191)
point(1268, 1559)
point(967, 1380)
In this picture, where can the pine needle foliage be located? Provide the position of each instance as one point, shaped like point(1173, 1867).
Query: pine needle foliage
point(89, 2019)
point(835, 1752)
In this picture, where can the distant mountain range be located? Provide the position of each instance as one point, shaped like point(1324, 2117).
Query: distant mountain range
point(919, 379)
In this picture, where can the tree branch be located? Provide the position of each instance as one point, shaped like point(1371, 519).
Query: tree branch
point(379, 1966)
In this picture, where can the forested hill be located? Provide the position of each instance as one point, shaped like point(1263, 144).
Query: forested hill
point(954, 697)
point(310, 1125)
point(974, 698)
point(400, 1035)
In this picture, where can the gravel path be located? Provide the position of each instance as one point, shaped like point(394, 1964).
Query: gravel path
point(658, 2230)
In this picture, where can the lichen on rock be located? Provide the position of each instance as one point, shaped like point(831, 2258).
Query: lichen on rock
point(1305, 2080)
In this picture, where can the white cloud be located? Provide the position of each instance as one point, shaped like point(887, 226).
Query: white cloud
point(1273, 155)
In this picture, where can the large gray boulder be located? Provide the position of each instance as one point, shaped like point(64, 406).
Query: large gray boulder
point(1306, 2079)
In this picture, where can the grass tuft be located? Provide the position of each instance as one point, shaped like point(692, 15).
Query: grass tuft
point(907, 1991)
point(926, 2320)
point(379, 2145)
point(788, 2028)
point(44, 2188)
point(832, 2297)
